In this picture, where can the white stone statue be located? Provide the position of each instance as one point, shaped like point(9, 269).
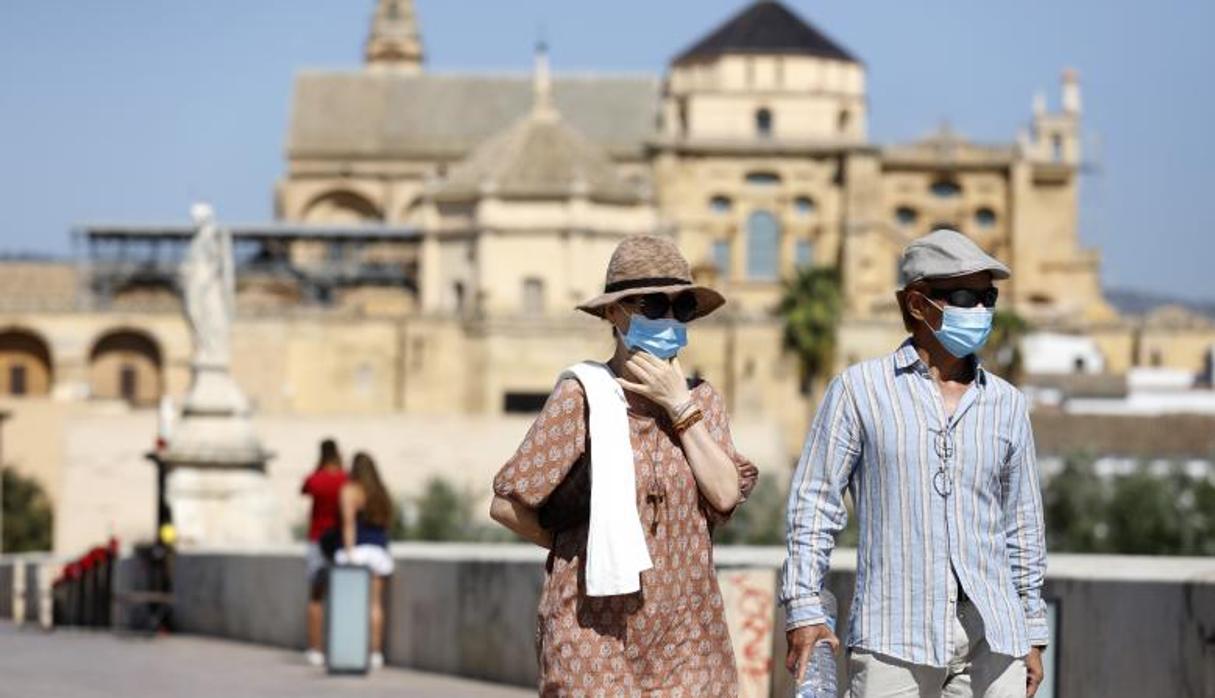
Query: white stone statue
point(208, 283)
point(216, 484)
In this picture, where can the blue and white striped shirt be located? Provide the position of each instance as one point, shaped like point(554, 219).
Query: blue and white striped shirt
point(931, 494)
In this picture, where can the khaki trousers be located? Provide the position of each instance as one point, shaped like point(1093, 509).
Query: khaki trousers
point(974, 671)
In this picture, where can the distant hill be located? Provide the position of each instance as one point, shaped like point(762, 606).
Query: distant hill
point(1133, 302)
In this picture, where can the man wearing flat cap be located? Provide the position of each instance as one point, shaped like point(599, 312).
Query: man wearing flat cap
point(939, 457)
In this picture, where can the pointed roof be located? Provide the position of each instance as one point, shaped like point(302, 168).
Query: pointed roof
point(767, 27)
point(539, 157)
point(406, 115)
point(394, 39)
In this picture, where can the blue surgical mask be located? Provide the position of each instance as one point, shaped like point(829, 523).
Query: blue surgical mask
point(663, 337)
point(964, 331)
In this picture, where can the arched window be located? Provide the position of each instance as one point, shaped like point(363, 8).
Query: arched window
point(25, 364)
point(126, 365)
point(763, 123)
point(803, 206)
point(341, 207)
point(844, 120)
point(985, 218)
point(1056, 148)
point(763, 246)
point(945, 189)
point(720, 204)
point(906, 216)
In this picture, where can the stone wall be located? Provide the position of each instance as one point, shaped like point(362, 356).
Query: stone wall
point(1125, 626)
point(101, 484)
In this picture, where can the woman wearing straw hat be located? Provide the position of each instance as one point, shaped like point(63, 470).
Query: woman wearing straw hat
point(623, 476)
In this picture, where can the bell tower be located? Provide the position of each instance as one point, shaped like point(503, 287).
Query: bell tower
point(394, 43)
point(1056, 135)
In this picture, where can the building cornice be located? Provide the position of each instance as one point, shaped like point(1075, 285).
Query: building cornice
point(751, 147)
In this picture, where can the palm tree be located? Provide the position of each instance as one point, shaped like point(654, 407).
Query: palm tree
point(1002, 354)
point(810, 306)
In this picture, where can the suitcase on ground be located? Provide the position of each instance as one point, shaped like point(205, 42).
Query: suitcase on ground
point(348, 620)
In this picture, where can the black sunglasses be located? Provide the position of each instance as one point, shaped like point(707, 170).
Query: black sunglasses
point(965, 297)
point(656, 305)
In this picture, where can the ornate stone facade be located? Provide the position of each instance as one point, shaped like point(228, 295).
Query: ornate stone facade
point(752, 150)
point(436, 231)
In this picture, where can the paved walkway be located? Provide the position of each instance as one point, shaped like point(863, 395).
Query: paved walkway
point(86, 664)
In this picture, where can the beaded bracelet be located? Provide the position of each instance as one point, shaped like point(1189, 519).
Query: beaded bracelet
point(689, 421)
point(683, 410)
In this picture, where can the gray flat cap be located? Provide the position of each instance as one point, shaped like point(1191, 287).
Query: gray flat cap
point(945, 253)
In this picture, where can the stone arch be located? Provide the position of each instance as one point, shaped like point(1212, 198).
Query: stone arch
point(25, 363)
point(341, 206)
point(410, 212)
point(127, 364)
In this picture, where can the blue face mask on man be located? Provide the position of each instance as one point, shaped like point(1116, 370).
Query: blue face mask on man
point(663, 337)
point(964, 331)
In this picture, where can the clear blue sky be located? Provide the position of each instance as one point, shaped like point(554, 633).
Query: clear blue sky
point(129, 110)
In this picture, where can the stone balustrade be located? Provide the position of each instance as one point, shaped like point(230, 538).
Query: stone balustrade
point(1124, 626)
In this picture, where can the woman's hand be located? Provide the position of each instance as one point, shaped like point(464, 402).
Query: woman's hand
point(716, 475)
point(663, 382)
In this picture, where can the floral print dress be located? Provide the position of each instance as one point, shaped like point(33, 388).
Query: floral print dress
point(669, 639)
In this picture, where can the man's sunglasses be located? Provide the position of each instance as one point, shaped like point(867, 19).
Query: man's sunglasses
point(965, 297)
point(656, 305)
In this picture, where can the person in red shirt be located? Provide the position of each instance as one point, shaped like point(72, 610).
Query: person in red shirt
point(324, 485)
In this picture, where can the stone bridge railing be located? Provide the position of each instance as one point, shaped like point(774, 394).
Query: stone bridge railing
point(1124, 626)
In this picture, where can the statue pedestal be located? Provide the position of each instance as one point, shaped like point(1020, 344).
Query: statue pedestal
point(223, 508)
point(216, 484)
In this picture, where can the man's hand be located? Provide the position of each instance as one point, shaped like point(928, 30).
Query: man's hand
point(1034, 673)
point(802, 642)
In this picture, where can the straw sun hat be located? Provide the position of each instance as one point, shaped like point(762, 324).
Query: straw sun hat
point(644, 264)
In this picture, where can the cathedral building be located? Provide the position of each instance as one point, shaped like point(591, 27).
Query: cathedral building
point(752, 150)
point(435, 230)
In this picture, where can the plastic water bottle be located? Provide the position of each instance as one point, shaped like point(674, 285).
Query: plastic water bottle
point(820, 680)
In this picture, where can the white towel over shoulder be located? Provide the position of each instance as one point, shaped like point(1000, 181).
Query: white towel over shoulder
point(616, 552)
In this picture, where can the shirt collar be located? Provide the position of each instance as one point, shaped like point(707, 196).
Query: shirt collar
point(907, 358)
